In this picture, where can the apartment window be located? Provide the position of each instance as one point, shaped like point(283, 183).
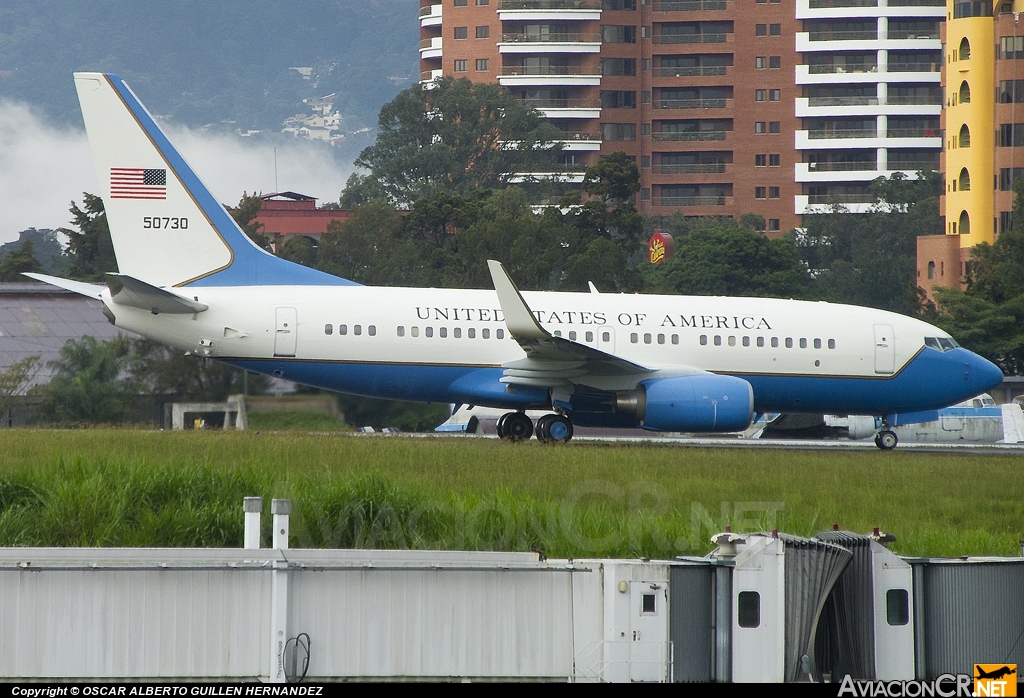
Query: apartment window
point(645, 32)
point(645, 97)
point(645, 161)
point(628, 5)
point(462, 66)
point(775, 62)
point(461, 3)
point(761, 62)
point(774, 95)
point(645, 129)
point(761, 160)
point(774, 160)
point(1011, 48)
point(618, 34)
point(461, 32)
point(618, 66)
point(483, 32)
point(645, 64)
point(760, 192)
point(1005, 221)
point(774, 224)
point(618, 99)
point(774, 127)
point(775, 30)
point(618, 132)
point(760, 95)
point(773, 192)
point(761, 30)
point(645, 195)
point(1008, 176)
point(483, 65)
point(760, 127)
point(1010, 135)
point(762, 2)
point(482, 3)
point(1010, 92)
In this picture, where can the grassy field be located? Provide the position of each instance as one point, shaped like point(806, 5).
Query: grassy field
point(145, 488)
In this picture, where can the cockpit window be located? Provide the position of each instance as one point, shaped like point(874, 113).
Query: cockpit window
point(941, 343)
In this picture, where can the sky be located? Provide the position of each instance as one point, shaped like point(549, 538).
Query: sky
point(43, 168)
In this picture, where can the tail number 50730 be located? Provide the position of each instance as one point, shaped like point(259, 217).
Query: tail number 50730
point(165, 222)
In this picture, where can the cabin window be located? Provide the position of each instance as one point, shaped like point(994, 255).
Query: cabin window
point(372, 330)
point(428, 331)
point(606, 337)
point(661, 339)
point(457, 332)
point(703, 339)
point(817, 344)
point(746, 341)
point(732, 341)
point(789, 342)
point(647, 338)
point(557, 333)
point(590, 336)
point(471, 333)
point(500, 334)
point(357, 330)
point(634, 338)
point(442, 332)
point(328, 329)
point(415, 332)
point(831, 344)
point(775, 342)
point(760, 341)
point(572, 335)
point(485, 333)
point(718, 340)
point(342, 329)
point(675, 339)
point(803, 342)
point(401, 331)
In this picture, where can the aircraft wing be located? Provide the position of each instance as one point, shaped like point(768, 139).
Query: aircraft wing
point(550, 361)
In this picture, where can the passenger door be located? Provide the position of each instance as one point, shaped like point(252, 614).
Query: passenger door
point(285, 336)
point(885, 349)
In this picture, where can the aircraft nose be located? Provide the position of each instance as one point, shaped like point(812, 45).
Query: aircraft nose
point(982, 373)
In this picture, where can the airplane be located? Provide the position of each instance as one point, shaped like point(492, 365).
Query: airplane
point(190, 278)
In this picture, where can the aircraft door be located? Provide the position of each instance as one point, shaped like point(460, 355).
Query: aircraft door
point(285, 336)
point(648, 640)
point(606, 339)
point(885, 349)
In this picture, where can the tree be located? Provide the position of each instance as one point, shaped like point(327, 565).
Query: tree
point(14, 382)
point(90, 384)
point(245, 215)
point(456, 136)
point(90, 247)
point(165, 371)
point(299, 249)
point(21, 260)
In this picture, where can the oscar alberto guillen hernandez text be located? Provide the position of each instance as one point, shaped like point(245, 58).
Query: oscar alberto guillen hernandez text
point(246, 690)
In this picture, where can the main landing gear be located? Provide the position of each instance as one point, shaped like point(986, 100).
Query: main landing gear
point(886, 438)
point(551, 428)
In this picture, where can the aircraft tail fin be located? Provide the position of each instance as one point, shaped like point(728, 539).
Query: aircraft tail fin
point(166, 226)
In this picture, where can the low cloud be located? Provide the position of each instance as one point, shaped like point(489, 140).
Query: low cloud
point(43, 168)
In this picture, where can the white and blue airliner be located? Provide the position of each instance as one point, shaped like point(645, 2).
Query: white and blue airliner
point(190, 278)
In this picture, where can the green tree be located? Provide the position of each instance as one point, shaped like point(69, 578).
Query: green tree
point(299, 249)
point(245, 215)
point(21, 260)
point(457, 136)
point(164, 371)
point(90, 383)
point(14, 383)
point(90, 247)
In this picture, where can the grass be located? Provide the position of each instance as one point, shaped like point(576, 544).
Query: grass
point(145, 488)
point(295, 420)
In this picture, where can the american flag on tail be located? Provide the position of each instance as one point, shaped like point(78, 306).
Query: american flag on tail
point(137, 183)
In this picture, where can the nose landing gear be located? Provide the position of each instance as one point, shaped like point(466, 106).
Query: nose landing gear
point(886, 438)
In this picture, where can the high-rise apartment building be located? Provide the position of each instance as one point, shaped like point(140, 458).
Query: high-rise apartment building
point(728, 106)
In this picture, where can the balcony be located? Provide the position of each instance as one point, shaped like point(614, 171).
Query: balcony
point(864, 166)
point(915, 133)
point(580, 141)
point(826, 69)
point(690, 168)
point(924, 67)
point(715, 103)
point(428, 76)
point(843, 35)
point(858, 101)
point(917, 3)
point(689, 5)
point(825, 199)
point(528, 10)
point(669, 136)
point(689, 71)
point(430, 16)
point(914, 165)
point(911, 34)
point(830, 133)
point(930, 100)
point(430, 48)
point(559, 108)
point(676, 39)
point(678, 201)
point(826, 4)
point(550, 43)
point(514, 76)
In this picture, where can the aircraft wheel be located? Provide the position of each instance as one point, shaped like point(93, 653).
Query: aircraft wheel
point(500, 426)
point(518, 426)
point(543, 435)
point(886, 440)
point(559, 429)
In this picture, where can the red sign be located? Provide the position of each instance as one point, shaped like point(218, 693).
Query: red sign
point(660, 247)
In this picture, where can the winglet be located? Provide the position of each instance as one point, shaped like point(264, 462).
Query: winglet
point(518, 318)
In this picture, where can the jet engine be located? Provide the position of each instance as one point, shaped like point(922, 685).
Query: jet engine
point(703, 402)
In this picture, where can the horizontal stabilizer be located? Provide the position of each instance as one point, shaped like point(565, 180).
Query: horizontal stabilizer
point(127, 290)
point(90, 290)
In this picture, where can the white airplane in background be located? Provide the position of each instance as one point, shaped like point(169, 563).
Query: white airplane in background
point(190, 278)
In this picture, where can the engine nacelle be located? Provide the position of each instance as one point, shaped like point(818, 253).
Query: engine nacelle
point(702, 402)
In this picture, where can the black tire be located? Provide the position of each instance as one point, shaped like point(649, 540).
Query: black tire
point(886, 440)
point(518, 426)
point(559, 429)
point(500, 425)
point(542, 432)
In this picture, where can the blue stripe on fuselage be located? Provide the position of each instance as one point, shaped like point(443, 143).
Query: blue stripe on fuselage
point(932, 380)
point(250, 266)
